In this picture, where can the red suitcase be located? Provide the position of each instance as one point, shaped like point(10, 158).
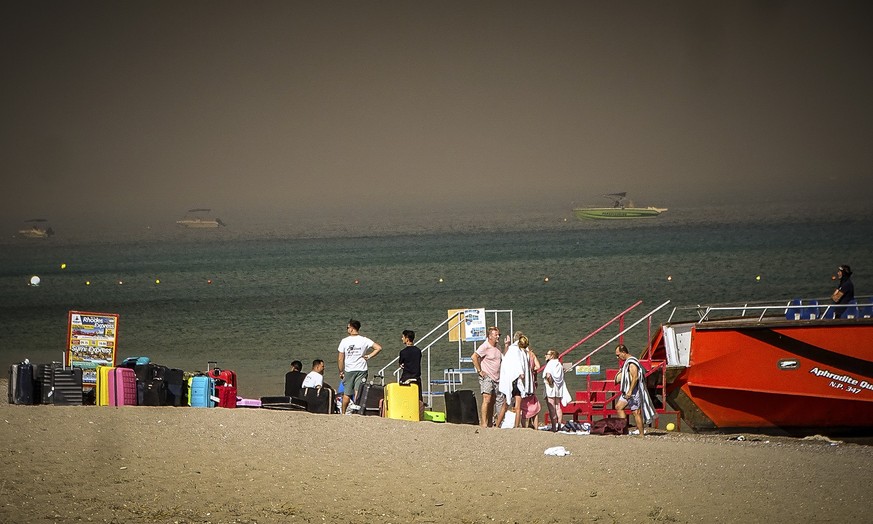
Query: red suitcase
point(226, 396)
point(224, 376)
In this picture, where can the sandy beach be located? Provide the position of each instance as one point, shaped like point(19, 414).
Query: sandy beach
point(178, 465)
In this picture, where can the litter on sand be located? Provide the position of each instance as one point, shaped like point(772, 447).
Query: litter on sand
point(557, 451)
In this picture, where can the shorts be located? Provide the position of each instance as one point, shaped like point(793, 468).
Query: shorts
point(634, 403)
point(515, 391)
point(487, 385)
point(351, 381)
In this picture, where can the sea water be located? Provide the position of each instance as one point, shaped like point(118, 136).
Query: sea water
point(254, 303)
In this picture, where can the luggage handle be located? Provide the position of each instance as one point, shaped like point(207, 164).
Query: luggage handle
point(210, 365)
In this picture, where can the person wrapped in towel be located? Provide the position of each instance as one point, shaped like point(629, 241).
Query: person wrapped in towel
point(516, 379)
point(634, 395)
point(556, 390)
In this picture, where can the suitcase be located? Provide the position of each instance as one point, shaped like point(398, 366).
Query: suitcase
point(60, 386)
point(151, 393)
point(103, 385)
point(21, 383)
point(226, 396)
point(284, 403)
point(151, 388)
point(122, 387)
point(176, 388)
point(369, 398)
point(318, 400)
point(201, 392)
point(434, 416)
point(461, 407)
point(248, 402)
point(133, 362)
point(401, 401)
point(221, 376)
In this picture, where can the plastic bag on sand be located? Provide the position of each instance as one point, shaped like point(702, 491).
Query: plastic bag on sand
point(557, 451)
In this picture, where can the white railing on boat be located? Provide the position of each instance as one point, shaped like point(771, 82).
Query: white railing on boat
point(795, 309)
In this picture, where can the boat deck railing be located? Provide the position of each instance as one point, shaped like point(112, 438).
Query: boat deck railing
point(795, 309)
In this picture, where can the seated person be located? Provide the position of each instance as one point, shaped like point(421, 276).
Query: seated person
point(294, 379)
point(315, 378)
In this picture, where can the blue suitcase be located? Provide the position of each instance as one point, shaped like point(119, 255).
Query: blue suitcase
point(201, 390)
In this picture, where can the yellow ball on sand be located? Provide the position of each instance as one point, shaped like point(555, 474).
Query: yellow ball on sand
point(671, 426)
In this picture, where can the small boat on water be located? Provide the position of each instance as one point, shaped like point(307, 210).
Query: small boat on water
point(199, 219)
point(621, 209)
point(37, 230)
point(785, 368)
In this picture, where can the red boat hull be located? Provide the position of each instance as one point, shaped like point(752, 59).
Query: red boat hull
point(785, 377)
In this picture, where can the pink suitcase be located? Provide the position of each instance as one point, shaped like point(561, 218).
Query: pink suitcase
point(122, 387)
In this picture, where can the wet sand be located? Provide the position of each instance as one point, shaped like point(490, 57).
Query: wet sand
point(142, 464)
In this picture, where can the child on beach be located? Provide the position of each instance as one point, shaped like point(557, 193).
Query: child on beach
point(553, 375)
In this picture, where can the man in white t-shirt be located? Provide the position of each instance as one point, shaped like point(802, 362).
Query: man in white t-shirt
point(315, 378)
point(352, 360)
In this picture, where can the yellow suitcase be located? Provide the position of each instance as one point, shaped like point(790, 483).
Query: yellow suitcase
point(103, 385)
point(401, 402)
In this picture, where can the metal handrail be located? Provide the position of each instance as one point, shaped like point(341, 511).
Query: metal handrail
point(427, 348)
point(620, 333)
point(598, 330)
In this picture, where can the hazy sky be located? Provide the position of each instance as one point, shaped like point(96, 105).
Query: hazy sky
point(354, 109)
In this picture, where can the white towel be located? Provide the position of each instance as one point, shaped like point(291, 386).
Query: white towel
point(512, 366)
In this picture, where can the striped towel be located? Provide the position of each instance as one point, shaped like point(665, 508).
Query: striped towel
point(648, 409)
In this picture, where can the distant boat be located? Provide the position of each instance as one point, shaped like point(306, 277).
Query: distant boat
point(198, 219)
point(37, 230)
point(620, 209)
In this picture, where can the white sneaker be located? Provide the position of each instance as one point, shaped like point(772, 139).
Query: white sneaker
point(353, 408)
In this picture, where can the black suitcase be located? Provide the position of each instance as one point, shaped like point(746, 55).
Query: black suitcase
point(60, 386)
point(154, 393)
point(21, 384)
point(284, 403)
point(369, 398)
point(177, 387)
point(461, 407)
point(318, 400)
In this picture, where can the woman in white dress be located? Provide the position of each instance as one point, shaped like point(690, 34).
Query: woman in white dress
point(553, 376)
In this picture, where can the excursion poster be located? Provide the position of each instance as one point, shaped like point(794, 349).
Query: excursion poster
point(474, 325)
point(467, 325)
point(91, 341)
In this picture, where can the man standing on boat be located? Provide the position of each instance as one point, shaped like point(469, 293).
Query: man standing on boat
point(845, 291)
point(486, 361)
point(634, 394)
point(352, 360)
